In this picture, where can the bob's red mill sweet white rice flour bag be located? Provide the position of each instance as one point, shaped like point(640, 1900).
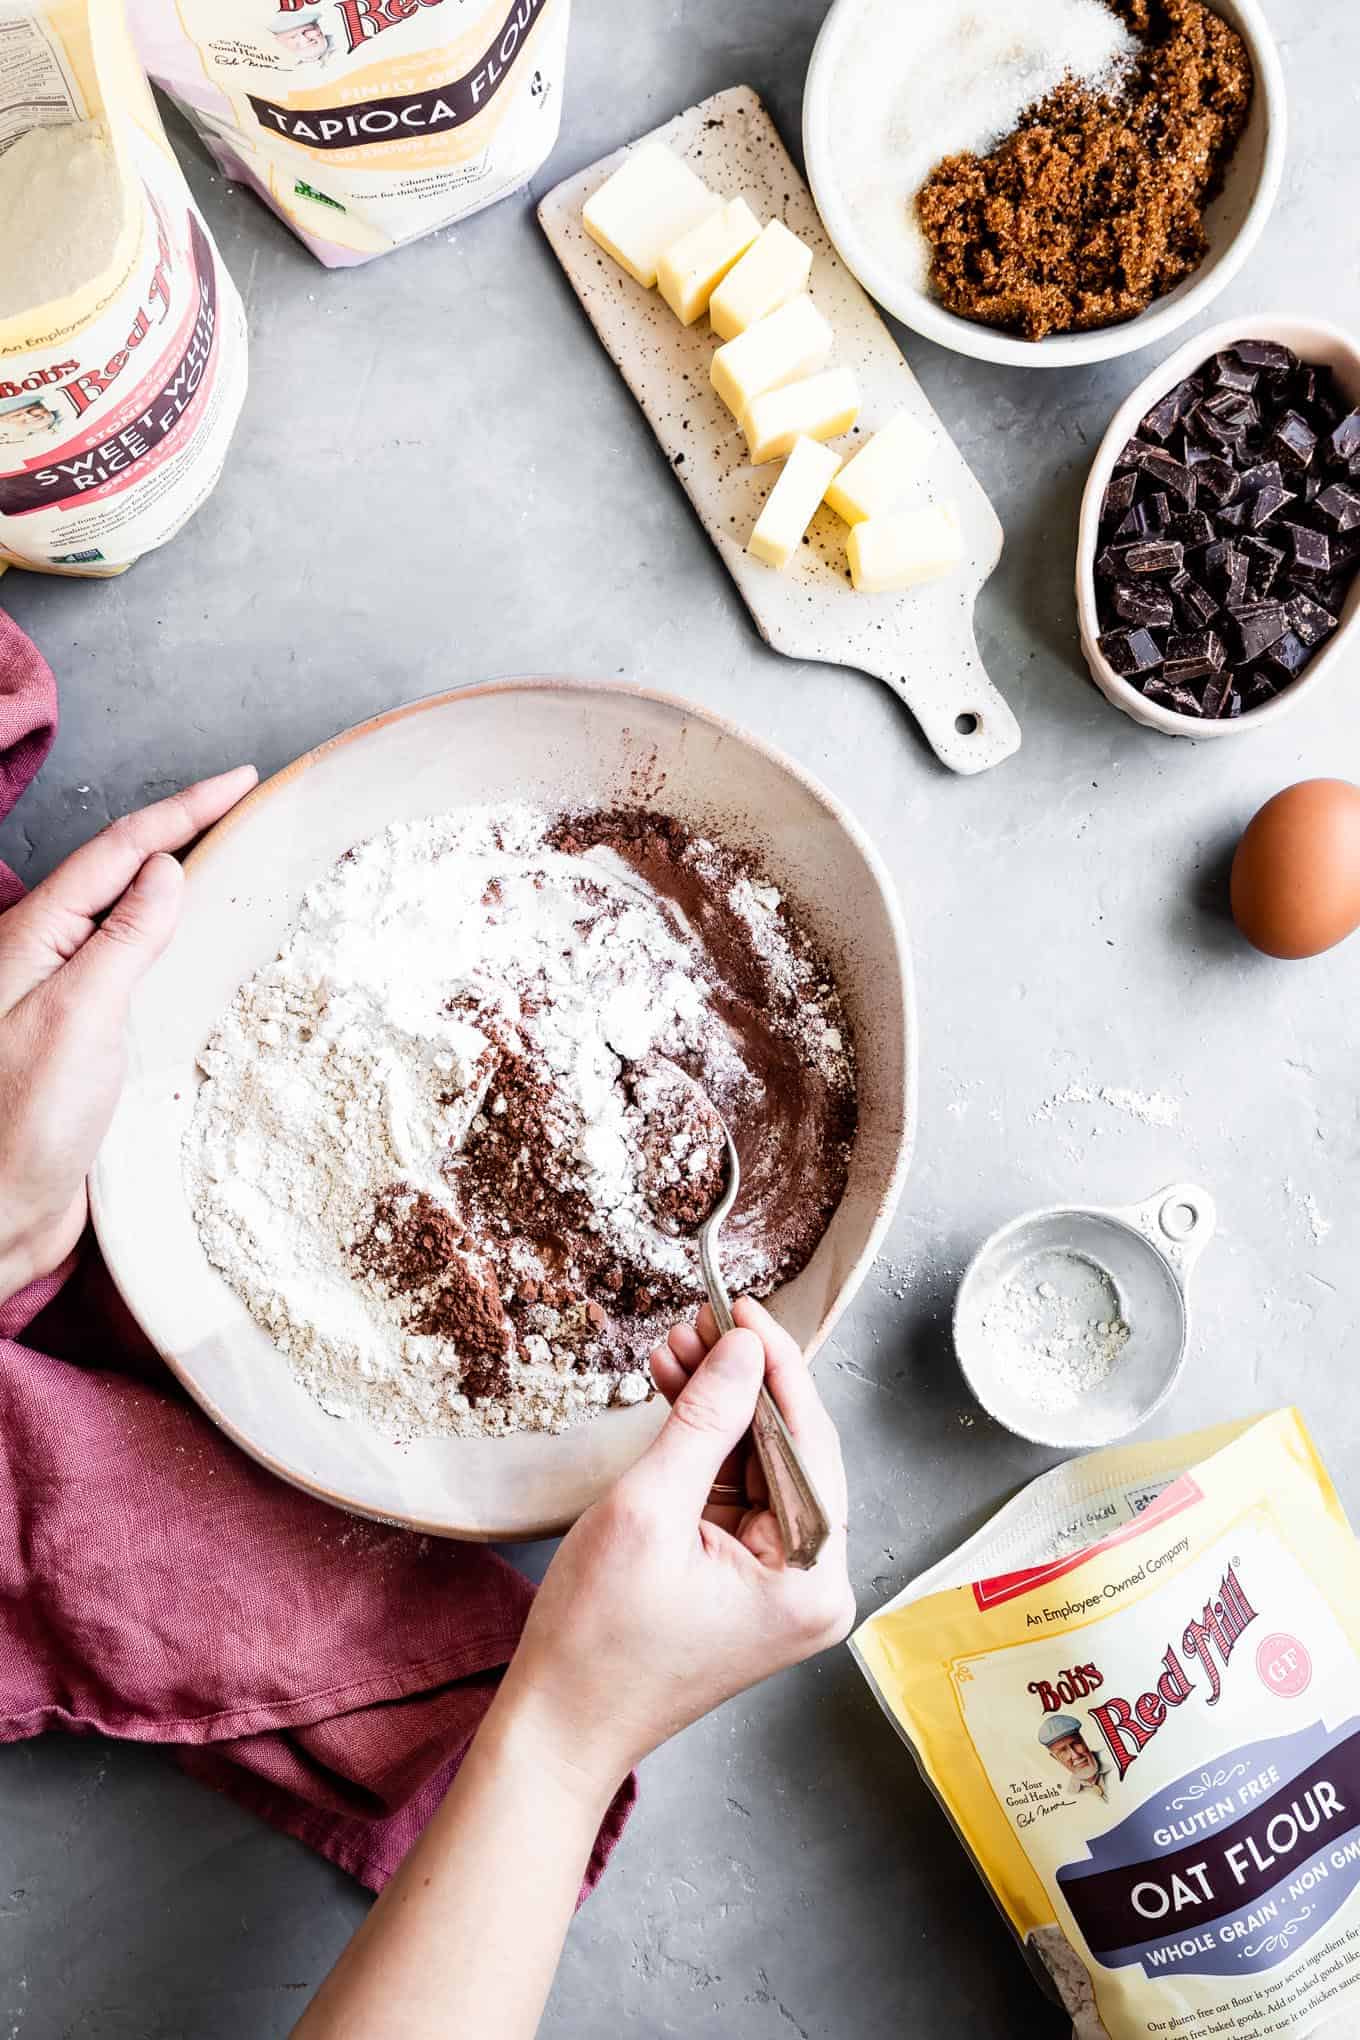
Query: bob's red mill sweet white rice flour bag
point(365, 123)
point(1137, 1695)
point(122, 339)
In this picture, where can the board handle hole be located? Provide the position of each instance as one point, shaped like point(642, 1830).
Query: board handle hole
point(968, 724)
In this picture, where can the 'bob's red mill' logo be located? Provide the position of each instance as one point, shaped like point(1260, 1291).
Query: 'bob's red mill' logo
point(1128, 1728)
point(363, 19)
point(366, 123)
point(93, 383)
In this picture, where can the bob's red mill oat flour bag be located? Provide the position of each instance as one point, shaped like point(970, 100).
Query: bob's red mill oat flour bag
point(122, 339)
point(1137, 1695)
point(365, 123)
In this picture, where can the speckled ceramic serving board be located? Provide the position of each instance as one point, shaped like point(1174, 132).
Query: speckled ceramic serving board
point(920, 641)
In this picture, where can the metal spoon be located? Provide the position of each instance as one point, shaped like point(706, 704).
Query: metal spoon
point(803, 1525)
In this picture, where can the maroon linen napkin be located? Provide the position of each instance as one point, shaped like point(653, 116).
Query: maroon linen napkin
point(157, 1585)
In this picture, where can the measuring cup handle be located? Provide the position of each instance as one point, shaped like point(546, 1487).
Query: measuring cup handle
point(1180, 1220)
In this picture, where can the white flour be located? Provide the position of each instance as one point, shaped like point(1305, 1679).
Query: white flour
point(340, 1071)
point(917, 82)
point(1152, 1108)
point(61, 212)
point(1055, 1341)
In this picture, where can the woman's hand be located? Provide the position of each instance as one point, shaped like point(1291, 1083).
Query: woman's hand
point(70, 953)
point(656, 1607)
point(659, 1606)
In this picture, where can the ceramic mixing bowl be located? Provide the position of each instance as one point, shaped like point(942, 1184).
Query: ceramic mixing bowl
point(562, 744)
point(1233, 222)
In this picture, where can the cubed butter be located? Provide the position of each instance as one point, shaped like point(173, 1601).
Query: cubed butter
point(790, 505)
point(791, 343)
point(880, 474)
point(692, 268)
point(650, 201)
point(905, 547)
point(818, 407)
point(774, 269)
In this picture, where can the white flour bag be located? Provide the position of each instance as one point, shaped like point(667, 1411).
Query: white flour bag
point(365, 123)
point(122, 339)
point(1136, 1693)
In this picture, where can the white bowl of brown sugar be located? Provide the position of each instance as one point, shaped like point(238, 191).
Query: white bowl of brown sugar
point(924, 126)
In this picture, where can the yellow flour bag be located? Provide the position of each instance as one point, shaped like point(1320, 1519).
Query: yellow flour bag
point(122, 339)
point(1136, 1693)
point(365, 123)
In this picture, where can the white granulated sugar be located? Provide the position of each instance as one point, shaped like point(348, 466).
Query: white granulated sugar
point(917, 82)
point(358, 1060)
point(61, 212)
point(1056, 1336)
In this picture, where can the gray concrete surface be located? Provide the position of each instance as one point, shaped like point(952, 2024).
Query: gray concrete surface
point(440, 476)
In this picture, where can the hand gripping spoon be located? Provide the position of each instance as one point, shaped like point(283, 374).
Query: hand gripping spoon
point(802, 1520)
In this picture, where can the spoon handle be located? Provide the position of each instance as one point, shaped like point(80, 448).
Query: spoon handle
point(803, 1525)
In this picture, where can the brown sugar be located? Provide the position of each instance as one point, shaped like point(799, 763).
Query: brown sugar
point(1093, 207)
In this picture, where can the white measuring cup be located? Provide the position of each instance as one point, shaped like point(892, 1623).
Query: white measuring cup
point(1139, 1257)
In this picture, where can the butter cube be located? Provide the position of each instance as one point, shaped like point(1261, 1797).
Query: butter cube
point(791, 343)
point(790, 505)
point(692, 268)
point(820, 406)
point(643, 209)
point(772, 271)
point(878, 477)
point(905, 547)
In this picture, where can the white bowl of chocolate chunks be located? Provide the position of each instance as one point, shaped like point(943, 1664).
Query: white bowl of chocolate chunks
point(1218, 551)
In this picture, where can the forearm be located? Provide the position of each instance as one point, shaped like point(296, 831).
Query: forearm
point(466, 1937)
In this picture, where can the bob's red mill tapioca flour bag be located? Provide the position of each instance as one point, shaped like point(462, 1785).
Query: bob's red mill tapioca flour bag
point(365, 123)
point(122, 339)
point(1136, 1694)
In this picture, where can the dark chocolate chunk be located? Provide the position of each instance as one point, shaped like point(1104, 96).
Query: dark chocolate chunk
point(1118, 495)
point(1193, 658)
point(1312, 554)
point(1129, 527)
point(1164, 471)
point(1289, 655)
point(1232, 373)
point(1309, 620)
point(1192, 528)
point(1107, 561)
point(1216, 479)
point(1153, 513)
point(1265, 504)
point(1339, 505)
point(1262, 474)
point(1146, 606)
point(1217, 691)
point(1294, 440)
point(1165, 415)
point(1134, 453)
point(1255, 628)
point(1130, 651)
point(1233, 515)
point(1345, 440)
point(1196, 604)
point(1183, 700)
point(1265, 354)
point(1157, 556)
point(1257, 690)
point(1263, 563)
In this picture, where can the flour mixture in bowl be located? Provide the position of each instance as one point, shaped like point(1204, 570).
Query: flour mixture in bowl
point(442, 1150)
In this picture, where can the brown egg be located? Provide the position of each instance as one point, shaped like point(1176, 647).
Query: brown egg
point(1296, 872)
